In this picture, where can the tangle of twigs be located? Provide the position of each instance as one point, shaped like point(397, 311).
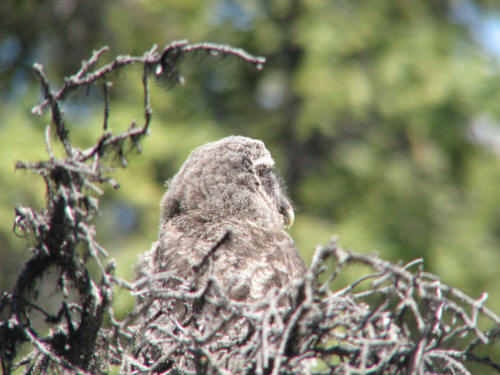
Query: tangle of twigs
point(395, 319)
point(63, 234)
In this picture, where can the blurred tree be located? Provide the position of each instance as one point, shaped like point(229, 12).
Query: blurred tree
point(383, 117)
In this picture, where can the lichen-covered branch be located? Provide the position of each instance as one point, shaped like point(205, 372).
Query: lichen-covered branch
point(393, 319)
point(64, 238)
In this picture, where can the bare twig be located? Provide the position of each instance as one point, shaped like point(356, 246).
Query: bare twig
point(64, 238)
point(393, 319)
point(371, 338)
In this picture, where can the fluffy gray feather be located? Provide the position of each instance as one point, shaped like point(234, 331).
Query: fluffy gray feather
point(224, 207)
point(228, 185)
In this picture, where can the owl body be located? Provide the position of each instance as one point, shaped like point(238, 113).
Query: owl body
point(228, 186)
point(222, 217)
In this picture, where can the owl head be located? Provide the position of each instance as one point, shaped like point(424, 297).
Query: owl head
point(232, 178)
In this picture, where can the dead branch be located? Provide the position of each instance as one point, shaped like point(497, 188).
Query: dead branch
point(63, 234)
point(395, 319)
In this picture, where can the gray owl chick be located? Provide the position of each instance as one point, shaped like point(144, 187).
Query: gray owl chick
point(228, 185)
point(225, 205)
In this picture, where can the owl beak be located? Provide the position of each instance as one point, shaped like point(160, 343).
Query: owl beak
point(287, 216)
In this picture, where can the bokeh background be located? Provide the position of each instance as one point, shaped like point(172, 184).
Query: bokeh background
point(383, 117)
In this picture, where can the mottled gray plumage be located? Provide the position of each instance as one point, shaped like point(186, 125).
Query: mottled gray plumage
point(228, 185)
point(221, 217)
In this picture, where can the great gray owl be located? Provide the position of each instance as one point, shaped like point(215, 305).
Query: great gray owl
point(226, 204)
point(229, 185)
